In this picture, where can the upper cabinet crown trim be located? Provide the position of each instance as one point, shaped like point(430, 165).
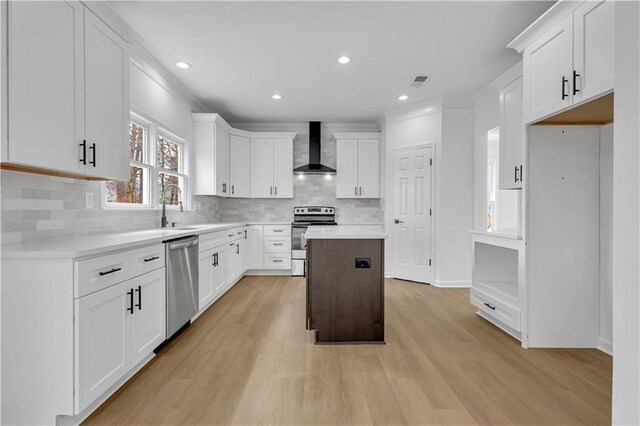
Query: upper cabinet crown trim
point(359, 135)
point(509, 76)
point(551, 17)
point(212, 118)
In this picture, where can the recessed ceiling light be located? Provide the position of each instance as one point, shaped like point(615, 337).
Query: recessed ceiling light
point(344, 60)
point(403, 97)
point(182, 65)
point(276, 97)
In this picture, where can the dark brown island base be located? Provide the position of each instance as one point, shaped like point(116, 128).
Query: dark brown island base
point(345, 285)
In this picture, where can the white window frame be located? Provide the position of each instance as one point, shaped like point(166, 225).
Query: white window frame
point(152, 198)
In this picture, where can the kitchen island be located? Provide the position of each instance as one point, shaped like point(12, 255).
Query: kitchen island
point(345, 284)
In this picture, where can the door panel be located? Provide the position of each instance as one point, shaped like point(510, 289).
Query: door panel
point(240, 167)
point(218, 273)
point(546, 62)
point(511, 136)
point(222, 161)
point(347, 169)
point(254, 252)
point(205, 277)
point(369, 168)
point(106, 100)
point(594, 48)
point(148, 323)
point(45, 87)
point(262, 160)
point(283, 168)
point(412, 207)
point(103, 341)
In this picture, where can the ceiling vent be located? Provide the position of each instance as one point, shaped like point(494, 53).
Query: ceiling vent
point(419, 81)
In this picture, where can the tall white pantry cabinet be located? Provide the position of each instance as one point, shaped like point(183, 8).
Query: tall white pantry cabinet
point(69, 72)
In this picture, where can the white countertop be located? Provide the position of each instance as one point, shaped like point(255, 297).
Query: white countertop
point(91, 245)
point(343, 232)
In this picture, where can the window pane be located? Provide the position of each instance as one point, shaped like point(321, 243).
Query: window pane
point(129, 192)
point(137, 136)
point(173, 195)
point(168, 154)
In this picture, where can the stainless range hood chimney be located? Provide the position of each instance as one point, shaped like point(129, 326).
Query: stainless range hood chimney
point(314, 167)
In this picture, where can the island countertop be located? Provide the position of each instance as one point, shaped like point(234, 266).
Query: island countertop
point(344, 233)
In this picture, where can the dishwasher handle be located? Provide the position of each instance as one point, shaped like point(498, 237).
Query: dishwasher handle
point(181, 245)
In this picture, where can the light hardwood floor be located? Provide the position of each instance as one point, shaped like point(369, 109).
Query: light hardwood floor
point(249, 360)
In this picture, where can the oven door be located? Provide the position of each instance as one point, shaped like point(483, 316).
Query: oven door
point(298, 242)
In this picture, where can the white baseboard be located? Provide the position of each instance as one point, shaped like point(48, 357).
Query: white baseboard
point(605, 346)
point(452, 284)
point(267, 272)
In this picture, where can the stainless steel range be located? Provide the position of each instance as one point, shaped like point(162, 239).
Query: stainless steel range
point(304, 217)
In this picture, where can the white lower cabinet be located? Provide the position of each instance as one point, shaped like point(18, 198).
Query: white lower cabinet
point(254, 252)
point(116, 328)
point(212, 279)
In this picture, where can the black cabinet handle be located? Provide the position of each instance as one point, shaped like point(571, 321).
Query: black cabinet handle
point(102, 274)
point(152, 258)
point(521, 177)
point(490, 306)
point(564, 83)
point(271, 190)
point(245, 234)
point(224, 188)
point(575, 85)
point(233, 189)
point(83, 160)
point(130, 308)
point(515, 171)
point(93, 150)
point(237, 248)
point(215, 259)
point(139, 305)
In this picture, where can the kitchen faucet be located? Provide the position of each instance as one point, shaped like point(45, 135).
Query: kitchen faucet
point(163, 220)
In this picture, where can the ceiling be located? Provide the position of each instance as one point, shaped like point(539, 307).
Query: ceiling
point(244, 52)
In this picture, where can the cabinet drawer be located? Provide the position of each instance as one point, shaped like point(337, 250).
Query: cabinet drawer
point(276, 230)
point(94, 274)
point(211, 240)
point(506, 314)
point(235, 233)
point(277, 261)
point(277, 244)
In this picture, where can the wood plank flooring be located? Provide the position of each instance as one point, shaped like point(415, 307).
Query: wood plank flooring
point(249, 360)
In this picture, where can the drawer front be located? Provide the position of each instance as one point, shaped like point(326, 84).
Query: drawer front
point(277, 244)
point(235, 234)
point(277, 261)
point(94, 274)
point(504, 313)
point(211, 240)
point(277, 230)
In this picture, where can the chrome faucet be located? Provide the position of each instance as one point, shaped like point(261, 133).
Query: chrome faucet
point(163, 220)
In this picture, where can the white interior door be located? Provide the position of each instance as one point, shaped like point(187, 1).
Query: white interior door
point(240, 167)
point(412, 214)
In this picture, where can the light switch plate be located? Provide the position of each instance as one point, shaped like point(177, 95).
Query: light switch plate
point(88, 200)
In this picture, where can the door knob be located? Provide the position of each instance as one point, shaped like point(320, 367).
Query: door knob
point(397, 221)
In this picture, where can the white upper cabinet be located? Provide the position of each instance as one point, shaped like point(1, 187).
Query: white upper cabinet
point(567, 57)
point(512, 140)
point(68, 82)
point(106, 71)
point(211, 159)
point(272, 165)
point(548, 67)
point(240, 166)
point(593, 43)
point(358, 165)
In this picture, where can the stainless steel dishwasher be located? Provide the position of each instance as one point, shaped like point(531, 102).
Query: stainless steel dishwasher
point(182, 282)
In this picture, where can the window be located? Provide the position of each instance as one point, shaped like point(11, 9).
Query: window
point(157, 159)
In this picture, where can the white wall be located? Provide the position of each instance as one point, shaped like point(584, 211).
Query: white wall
point(626, 216)
point(606, 238)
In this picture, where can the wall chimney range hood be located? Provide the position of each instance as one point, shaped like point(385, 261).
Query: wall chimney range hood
point(314, 167)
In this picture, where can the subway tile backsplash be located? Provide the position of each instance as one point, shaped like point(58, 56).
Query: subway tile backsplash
point(39, 207)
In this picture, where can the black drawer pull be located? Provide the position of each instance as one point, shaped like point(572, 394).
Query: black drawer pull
point(516, 174)
point(102, 274)
point(564, 83)
point(152, 258)
point(83, 160)
point(130, 308)
point(277, 244)
point(490, 306)
point(277, 230)
point(277, 261)
point(139, 290)
point(93, 149)
point(575, 85)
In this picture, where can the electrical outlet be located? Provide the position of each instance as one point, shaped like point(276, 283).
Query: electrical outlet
point(88, 200)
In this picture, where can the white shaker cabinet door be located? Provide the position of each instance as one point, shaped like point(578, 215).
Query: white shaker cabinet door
point(369, 168)
point(254, 252)
point(103, 341)
point(511, 136)
point(548, 71)
point(222, 161)
point(148, 322)
point(106, 61)
point(347, 168)
point(45, 87)
point(206, 263)
point(262, 170)
point(593, 25)
point(240, 166)
point(218, 272)
point(283, 168)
